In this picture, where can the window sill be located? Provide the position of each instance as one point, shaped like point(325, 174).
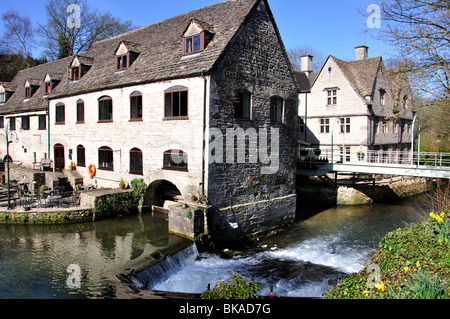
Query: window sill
point(79, 122)
point(105, 121)
point(136, 120)
point(178, 169)
point(60, 123)
point(106, 169)
point(182, 118)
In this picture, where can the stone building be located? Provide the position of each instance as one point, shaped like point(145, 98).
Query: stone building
point(202, 106)
point(364, 106)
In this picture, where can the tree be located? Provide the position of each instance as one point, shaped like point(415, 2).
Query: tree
point(295, 55)
point(61, 37)
point(18, 36)
point(420, 31)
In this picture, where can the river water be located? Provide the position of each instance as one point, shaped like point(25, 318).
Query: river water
point(304, 260)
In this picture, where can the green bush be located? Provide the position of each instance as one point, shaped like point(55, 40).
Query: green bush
point(237, 288)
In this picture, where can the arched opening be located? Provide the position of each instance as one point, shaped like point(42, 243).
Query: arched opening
point(59, 158)
point(159, 195)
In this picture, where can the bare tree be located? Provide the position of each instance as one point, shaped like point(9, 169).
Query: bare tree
point(18, 36)
point(62, 38)
point(420, 31)
point(295, 55)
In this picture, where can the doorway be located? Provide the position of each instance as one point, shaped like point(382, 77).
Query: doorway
point(59, 158)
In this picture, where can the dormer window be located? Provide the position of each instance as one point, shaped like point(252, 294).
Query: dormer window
point(48, 87)
point(122, 62)
point(79, 66)
point(74, 73)
point(193, 44)
point(382, 97)
point(126, 54)
point(2, 97)
point(197, 36)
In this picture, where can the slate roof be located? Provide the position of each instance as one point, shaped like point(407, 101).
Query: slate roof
point(361, 74)
point(160, 56)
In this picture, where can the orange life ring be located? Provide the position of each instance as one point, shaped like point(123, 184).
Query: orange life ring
point(91, 170)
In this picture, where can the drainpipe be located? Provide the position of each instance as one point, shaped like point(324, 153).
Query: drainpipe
point(48, 127)
point(204, 134)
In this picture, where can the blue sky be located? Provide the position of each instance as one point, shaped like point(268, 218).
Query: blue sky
point(332, 27)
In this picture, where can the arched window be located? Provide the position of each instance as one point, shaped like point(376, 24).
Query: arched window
point(176, 103)
point(60, 113)
point(136, 106)
point(105, 109)
point(276, 109)
point(81, 156)
point(175, 160)
point(80, 111)
point(105, 158)
point(136, 162)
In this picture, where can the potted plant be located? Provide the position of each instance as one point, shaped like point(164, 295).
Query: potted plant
point(121, 184)
point(72, 166)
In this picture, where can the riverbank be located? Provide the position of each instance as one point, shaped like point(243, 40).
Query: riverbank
point(348, 191)
point(411, 263)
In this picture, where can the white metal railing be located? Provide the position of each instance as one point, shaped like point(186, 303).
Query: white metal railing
point(346, 155)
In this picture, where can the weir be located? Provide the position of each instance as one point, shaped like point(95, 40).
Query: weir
point(148, 278)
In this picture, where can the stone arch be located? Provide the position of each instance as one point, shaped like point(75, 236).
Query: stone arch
point(158, 193)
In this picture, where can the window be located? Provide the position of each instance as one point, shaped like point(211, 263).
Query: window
point(301, 125)
point(105, 158)
point(193, 43)
point(2, 121)
point(27, 92)
point(105, 109)
point(382, 97)
point(42, 125)
point(176, 103)
point(12, 123)
point(81, 156)
point(324, 125)
point(242, 108)
point(175, 160)
point(136, 106)
point(2, 97)
point(60, 116)
point(25, 123)
point(136, 162)
point(276, 109)
point(385, 127)
point(347, 154)
point(75, 73)
point(345, 125)
point(80, 111)
point(331, 96)
point(48, 87)
point(122, 62)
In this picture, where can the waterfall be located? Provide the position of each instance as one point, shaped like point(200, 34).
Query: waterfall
point(165, 268)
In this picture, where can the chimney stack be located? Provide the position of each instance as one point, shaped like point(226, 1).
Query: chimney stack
point(307, 64)
point(361, 52)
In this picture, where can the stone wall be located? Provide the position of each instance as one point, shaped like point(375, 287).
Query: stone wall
point(241, 192)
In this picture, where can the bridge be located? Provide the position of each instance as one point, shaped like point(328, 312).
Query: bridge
point(429, 165)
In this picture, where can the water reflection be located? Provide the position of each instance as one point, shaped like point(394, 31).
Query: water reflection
point(34, 259)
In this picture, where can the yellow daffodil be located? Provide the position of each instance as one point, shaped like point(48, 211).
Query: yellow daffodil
point(366, 292)
point(405, 268)
point(380, 286)
point(442, 215)
point(417, 264)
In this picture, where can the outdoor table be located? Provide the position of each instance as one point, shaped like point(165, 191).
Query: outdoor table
point(54, 199)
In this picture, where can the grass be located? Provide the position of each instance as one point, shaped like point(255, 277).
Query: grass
point(411, 263)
